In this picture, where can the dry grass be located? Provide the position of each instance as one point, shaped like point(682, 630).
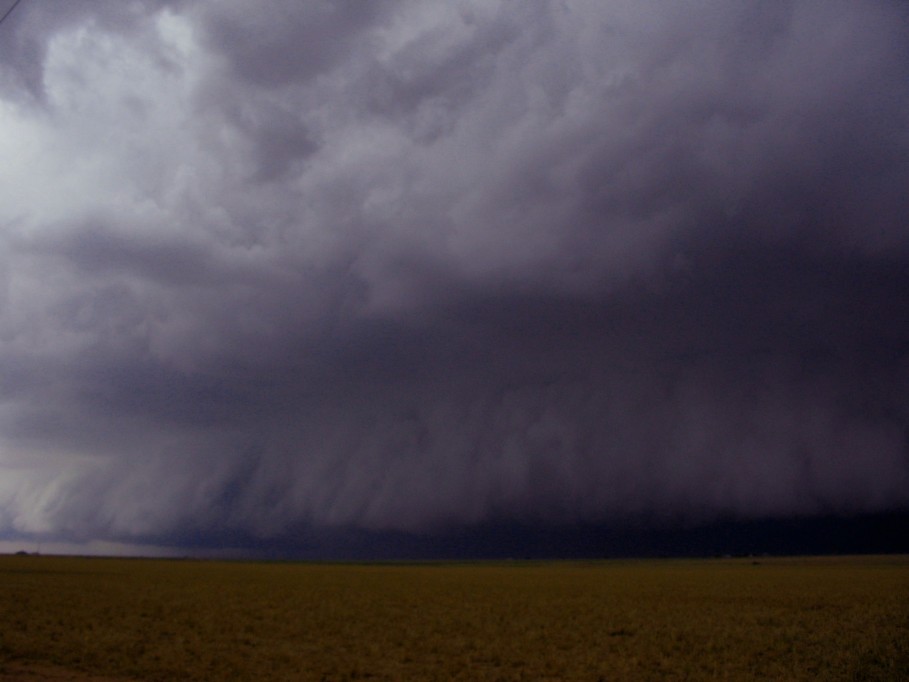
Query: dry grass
point(795, 619)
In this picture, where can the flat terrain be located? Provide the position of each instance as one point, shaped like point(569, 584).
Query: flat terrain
point(42, 672)
point(100, 620)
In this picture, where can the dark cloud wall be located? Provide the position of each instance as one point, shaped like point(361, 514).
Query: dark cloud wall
point(421, 266)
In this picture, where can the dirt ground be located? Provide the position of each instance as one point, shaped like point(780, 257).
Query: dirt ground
point(42, 672)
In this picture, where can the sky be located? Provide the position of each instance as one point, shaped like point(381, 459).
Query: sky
point(286, 276)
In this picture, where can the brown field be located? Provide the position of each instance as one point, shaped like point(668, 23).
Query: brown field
point(775, 619)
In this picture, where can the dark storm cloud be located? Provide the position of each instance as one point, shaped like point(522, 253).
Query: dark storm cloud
point(412, 266)
point(285, 42)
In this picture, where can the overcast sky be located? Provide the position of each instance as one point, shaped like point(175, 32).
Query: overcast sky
point(414, 266)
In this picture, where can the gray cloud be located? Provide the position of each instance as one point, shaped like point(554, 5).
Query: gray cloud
point(412, 266)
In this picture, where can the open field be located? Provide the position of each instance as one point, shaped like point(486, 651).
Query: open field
point(776, 619)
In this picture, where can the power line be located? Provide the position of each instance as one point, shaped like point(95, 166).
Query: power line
point(9, 11)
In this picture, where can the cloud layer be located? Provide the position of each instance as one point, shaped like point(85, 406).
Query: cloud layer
point(412, 266)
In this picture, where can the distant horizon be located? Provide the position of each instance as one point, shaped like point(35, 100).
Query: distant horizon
point(865, 535)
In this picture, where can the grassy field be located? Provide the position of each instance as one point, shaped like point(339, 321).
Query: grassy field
point(777, 619)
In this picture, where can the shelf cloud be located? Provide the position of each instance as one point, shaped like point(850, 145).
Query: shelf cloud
point(419, 266)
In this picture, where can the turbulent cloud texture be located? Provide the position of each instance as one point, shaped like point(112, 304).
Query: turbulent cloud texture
point(412, 266)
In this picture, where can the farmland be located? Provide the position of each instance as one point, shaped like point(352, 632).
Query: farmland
point(738, 619)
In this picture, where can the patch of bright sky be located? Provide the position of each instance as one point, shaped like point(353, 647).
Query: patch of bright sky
point(93, 548)
point(117, 107)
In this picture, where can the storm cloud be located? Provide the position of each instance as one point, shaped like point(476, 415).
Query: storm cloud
point(415, 266)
